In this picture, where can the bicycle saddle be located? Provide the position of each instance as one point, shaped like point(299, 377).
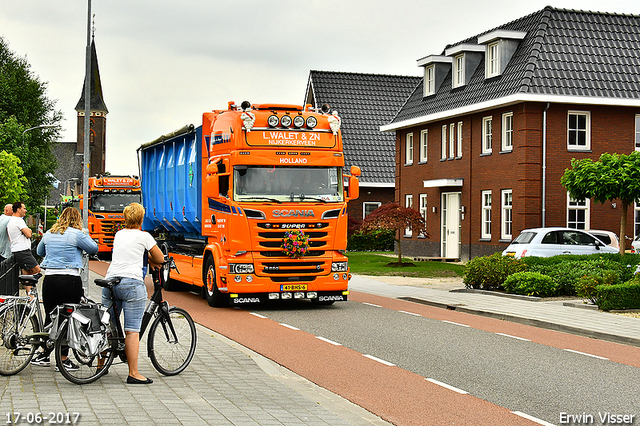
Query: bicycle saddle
point(30, 278)
point(108, 283)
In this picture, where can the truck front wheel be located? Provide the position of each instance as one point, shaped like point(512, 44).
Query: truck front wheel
point(213, 295)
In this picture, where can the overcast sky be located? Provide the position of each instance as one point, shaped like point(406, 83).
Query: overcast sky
point(163, 63)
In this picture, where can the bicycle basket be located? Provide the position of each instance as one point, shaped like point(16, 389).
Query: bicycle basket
point(86, 330)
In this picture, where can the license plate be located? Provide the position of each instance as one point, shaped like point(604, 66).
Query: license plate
point(293, 287)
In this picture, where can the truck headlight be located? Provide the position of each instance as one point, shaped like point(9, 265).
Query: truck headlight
point(241, 268)
point(339, 266)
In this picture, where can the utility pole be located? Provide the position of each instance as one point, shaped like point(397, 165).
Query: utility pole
point(86, 153)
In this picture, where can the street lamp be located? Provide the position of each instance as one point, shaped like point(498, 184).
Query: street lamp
point(42, 126)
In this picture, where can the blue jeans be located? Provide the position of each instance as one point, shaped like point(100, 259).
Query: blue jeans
point(131, 296)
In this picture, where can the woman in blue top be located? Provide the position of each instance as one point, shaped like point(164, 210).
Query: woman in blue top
point(62, 248)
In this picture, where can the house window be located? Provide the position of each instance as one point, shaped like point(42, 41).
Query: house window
point(507, 218)
point(423, 209)
point(443, 154)
point(368, 208)
point(577, 213)
point(458, 71)
point(430, 80)
point(579, 130)
point(408, 203)
point(636, 222)
point(459, 139)
point(486, 215)
point(409, 149)
point(493, 60)
point(424, 134)
point(452, 140)
point(507, 131)
point(486, 135)
point(638, 132)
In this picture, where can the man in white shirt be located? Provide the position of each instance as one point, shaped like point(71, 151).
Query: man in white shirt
point(20, 236)
point(5, 244)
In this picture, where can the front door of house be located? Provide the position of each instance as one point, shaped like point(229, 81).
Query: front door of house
point(450, 218)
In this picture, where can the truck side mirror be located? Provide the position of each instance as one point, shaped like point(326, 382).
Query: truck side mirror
point(355, 171)
point(354, 187)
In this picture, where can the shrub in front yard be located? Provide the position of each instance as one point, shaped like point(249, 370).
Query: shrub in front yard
point(586, 286)
point(619, 296)
point(377, 240)
point(530, 284)
point(489, 272)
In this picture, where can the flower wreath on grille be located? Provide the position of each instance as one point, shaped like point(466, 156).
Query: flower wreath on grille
point(295, 243)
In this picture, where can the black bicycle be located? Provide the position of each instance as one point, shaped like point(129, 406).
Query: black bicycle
point(93, 340)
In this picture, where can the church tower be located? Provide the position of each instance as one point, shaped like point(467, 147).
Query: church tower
point(98, 119)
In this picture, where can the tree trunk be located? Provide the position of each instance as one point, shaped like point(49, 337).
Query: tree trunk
point(399, 250)
point(623, 227)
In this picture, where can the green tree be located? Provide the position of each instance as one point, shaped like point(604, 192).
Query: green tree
point(395, 217)
point(611, 177)
point(11, 179)
point(24, 105)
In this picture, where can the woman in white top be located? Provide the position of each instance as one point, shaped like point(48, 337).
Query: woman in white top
point(127, 261)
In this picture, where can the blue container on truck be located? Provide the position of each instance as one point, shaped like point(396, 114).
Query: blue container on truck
point(171, 175)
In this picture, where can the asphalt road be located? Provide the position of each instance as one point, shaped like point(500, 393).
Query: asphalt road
point(534, 378)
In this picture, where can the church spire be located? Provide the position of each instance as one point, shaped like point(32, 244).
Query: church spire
point(97, 101)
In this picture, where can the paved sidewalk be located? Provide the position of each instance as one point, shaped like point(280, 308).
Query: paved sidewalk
point(555, 314)
point(225, 384)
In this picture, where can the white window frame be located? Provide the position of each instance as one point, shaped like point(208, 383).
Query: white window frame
point(637, 140)
point(575, 132)
point(369, 203)
point(493, 60)
point(408, 203)
point(459, 140)
point(636, 220)
point(458, 71)
point(430, 80)
point(452, 140)
point(487, 134)
point(576, 206)
point(408, 149)
point(423, 210)
point(506, 218)
point(424, 145)
point(507, 131)
point(443, 154)
point(485, 226)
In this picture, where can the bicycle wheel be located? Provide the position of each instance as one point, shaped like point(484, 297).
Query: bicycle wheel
point(80, 368)
point(15, 351)
point(170, 354)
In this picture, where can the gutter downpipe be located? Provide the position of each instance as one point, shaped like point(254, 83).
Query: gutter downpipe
point(544, 164)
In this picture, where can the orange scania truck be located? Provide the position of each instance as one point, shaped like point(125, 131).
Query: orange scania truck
point(252, 204)
point(108, 196)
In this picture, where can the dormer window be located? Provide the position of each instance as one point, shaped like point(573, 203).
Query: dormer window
point(430, 80)
point(458, 71)
point(500, 45)
point(493, 60)
point(436, 69)
point(466, 58)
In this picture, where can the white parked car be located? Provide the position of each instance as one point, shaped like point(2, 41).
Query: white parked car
point(547, 242)
point(635, 245)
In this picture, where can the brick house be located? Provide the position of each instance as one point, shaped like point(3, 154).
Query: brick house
point(482, 142)
point(364, 102)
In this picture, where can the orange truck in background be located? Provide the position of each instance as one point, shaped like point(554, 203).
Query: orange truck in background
point(252, 204)
point(108, 196)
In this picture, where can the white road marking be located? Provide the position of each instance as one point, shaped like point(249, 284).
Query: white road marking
point(514, 337)
point(456, 323)
point(328, 341)
point(411, 313)
point(289, 326)
point(444, 385)
point(583, 353)
point(379, 360)
point(533, 419)
point(371, 304)
point(257, 315)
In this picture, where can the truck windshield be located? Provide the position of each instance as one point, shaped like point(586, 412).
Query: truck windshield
point(286, 184)
point(112, 202)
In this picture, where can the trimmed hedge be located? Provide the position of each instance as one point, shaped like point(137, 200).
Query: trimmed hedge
point(490, 272)
point(530, 284)
point(378, 240)
point(619, 296)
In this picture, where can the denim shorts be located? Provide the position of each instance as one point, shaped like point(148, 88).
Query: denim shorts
point(131, 296)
